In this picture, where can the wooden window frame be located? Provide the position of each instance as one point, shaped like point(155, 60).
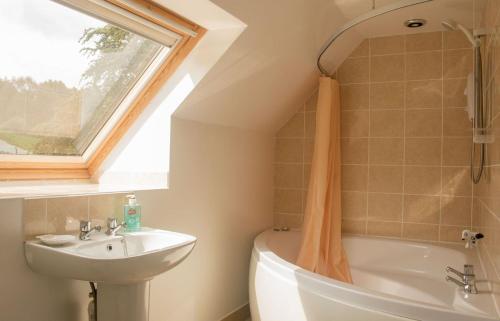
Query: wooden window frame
point(48, 170)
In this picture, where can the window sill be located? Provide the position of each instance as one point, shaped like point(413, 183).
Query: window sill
point(58, 188)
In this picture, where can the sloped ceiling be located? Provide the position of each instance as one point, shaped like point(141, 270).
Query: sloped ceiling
point(261, 80)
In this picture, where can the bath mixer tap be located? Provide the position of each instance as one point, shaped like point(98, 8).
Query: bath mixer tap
point(86, 230)
point(467, 278)
point(113, 226)
point(471, 238)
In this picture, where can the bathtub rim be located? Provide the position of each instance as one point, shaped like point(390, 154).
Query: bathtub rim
point(370, 299)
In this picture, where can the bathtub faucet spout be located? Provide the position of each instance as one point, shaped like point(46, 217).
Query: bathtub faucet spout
point(468, 278)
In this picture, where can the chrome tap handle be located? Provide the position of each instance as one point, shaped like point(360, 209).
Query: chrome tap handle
point(112, 222)
point(468, 269)
point(457, 282)
point(452, 270)
point(84, 226)
point(113, 226)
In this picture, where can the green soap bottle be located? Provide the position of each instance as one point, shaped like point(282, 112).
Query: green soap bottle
point(132, 214)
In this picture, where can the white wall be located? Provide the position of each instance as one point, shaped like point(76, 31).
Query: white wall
point(220, 191)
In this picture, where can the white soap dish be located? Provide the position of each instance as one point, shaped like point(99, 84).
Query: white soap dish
point(50, 239)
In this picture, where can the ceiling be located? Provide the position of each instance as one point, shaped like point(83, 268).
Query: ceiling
point(271, 68)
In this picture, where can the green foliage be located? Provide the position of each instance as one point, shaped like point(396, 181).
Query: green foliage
point(35, 113)
point(104, 39)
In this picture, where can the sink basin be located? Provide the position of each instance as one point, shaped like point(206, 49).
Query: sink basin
point(122, 259)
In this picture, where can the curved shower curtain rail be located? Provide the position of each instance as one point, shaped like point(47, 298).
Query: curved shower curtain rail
point(367, 16)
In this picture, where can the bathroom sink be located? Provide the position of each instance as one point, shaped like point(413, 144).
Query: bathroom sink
point(126, 258)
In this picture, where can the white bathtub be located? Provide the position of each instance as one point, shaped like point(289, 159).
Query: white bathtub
point(393, 280)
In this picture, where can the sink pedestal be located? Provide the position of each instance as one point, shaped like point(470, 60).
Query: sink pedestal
point(128, 302)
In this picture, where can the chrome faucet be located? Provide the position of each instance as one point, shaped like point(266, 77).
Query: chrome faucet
point(86, 230)
point(471, 238)
point(468, 278)
point(113, 226)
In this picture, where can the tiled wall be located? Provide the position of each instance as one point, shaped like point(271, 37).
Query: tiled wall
point(405, 141)
point(62, 215)
point(486, 205)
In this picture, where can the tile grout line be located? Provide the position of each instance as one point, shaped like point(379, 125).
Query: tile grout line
point(304, 185)
point(367, 203)
point(442, 139)
point(403, 194)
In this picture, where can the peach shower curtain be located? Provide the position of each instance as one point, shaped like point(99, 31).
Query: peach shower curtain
point(321, 250)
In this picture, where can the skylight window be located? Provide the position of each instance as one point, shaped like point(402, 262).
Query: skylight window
point(65, 73)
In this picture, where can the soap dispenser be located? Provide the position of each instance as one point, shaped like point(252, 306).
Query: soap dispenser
point(132, 214)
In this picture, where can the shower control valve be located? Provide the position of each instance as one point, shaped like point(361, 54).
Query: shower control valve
point(470, 238)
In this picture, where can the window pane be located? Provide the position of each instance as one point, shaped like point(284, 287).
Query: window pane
point(63, 75)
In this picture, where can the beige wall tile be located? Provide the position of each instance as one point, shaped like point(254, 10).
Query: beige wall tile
point(392, 110)
point(288, 220)
point(451, 233)
point(354, 177)
point(387, 95)
point(354, 70)
point(424, 41)
point(456, 210)
point(423, 123)
point(388, 229)
point(293, 128)
point(454, 92)
point(355, 123)
point(424, 94)
point(354, 96)
point(422, 180)
point(310, 124)
point(101, 207)
point(385, 207)
point(387, 45)
point(424, 65)
point(423, 151)
point(387, 68)
point(288, 201)
point(456, 181)
point(289, 150)
point(456, 122)
point(421, 209)
point(308, 149)
point(457, 63)
point(354, 227)
point(34, 217)
point(387, 151)
point(425, 232)
point(455, 40)
point(64, 214)
point(362, 50)
point(385, 179)
point(456, 151)
point(386, 123)
point(354, 150)
point(307, 175)
point(312, 101)
point(288, 175)
point(354, 205)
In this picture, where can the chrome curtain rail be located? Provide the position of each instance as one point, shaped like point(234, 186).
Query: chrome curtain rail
point(366, 16)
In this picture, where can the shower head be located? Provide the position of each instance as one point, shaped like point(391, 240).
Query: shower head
point(453, 25)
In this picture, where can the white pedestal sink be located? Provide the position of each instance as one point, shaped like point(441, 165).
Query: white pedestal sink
point(121, 265)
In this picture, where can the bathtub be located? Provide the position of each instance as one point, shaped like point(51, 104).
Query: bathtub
point(393, 280)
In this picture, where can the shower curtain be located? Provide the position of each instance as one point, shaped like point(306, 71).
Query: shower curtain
point(321, 250)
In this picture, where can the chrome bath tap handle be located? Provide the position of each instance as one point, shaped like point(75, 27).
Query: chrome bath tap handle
point(113, 226)
point(86, 230)
point(468, 278)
